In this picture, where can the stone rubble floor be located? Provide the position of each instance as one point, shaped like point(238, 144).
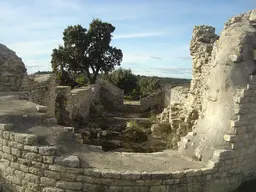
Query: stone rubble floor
point(166, 161)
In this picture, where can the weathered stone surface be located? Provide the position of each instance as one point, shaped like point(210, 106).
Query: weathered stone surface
point(70, 161)
point(12, 70)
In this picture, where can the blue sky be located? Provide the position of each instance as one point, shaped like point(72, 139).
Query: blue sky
point(153, 35)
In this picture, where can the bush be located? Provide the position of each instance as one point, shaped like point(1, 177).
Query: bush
point(82, 80)
point(135, 132)
point(124, 79)
point(148, 85)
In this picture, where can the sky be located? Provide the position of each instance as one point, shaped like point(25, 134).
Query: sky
point(153, 35)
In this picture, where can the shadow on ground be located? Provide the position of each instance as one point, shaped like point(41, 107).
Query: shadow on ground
point(249, 186)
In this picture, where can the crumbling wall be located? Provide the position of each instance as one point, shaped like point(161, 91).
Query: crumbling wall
point(231, 65)
point(155, 99)
point(81, 102)
point(185, 105)
point(167, 95)
point(111, 96)
point(75, 104)
point(201, 45)
point(42, 91)
point(12, 70)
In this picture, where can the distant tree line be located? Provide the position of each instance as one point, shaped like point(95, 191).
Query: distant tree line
point(136, 86)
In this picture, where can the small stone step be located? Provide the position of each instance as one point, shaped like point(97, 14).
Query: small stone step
point(41, 108)
point(5, 127)
point(50, 121)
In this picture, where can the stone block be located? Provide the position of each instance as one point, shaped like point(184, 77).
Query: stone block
point(69, 185)
point(32, 156)
point(14, 179)
point(47, 182)
point(111, 174)
point(153, 182)
point(48, 159)
point(124, 182)
point(15, 144)
point(67, 177)
point(52, 174)
point(31, 148)
point(24, 168)
point(146, 175)
point(70, 161)
point(27, 139)
point(16, 152)
point(6, 135)
point(92, 187)
point(49, 189)
point(19, 174)
point(5, 127)
point(6, 149)
point(93, 172)
point(131, 175)
point(32, 178)
point(47, 150)
point(194, 172)
point(74, 170)
point(34, 171)
point(178, 174)
point(41, 109)
point(230, 138)
point(158, 189)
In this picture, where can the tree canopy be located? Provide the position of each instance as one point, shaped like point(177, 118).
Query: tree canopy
point(87, 51)
point(124, 79)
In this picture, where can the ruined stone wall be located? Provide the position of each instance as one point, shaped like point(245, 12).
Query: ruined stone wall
point(155, 99)
point(185, 105)
point(12, 70)
point(179, 95)
point(28, 167)
point(167, 95)
point(77, 102)
point(201, 46)
point(111, 96)
point(40, 89)
point(43, 92)
point(232, 64)
point(81, 102)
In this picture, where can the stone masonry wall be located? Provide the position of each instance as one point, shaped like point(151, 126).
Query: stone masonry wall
point(232, 64)
point(81, 102)
point(111, 96)
point(154, 99)
point(12, 70)
point(77, 102)
point(201, 46)
point(40, 89)
point(28, 167)
point(167, 95)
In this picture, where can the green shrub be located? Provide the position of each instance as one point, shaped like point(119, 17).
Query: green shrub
point(82, 80)
point(152, 117)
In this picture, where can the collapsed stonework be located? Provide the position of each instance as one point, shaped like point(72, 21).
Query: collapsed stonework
point(13, 70)
point(218, 113)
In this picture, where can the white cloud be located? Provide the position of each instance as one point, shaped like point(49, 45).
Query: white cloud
point(138, 35)
point(32, 49)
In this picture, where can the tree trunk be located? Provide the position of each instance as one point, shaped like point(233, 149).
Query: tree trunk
point(89, 76)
